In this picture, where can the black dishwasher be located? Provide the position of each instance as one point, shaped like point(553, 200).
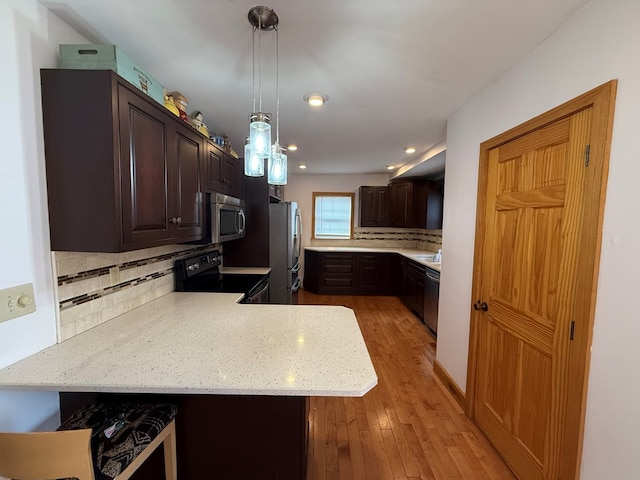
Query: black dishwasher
point(431, 295)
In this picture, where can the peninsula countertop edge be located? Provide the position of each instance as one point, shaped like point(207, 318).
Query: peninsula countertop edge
point(207, 343)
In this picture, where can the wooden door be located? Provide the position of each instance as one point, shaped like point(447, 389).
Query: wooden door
point(215, 179)
point(541, 194)
point(187, 189)
point(144, 172)
point(401, 204)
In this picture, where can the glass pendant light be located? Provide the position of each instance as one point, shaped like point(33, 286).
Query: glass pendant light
point(277, 174)
point(277, 169)
point(253, 164)
point(260, 133)
point(259, 145)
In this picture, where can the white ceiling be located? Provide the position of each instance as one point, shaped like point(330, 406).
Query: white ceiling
point(394, 70)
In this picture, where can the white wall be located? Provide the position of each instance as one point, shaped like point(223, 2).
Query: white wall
point(598, 44)
point(29, 38)
point(300, 189)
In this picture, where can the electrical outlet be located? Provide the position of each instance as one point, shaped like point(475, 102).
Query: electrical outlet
point(16, 301)
point(114, 274)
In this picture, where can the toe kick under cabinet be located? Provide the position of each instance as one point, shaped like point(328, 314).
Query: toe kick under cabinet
point(123, 173)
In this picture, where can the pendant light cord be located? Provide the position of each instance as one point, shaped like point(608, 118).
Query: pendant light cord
point(253, 66)
point(260, 61)
point(277, 91)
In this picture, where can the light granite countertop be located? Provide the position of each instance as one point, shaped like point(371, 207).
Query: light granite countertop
point(245, 270)
point(206, 343)
point(415, 255)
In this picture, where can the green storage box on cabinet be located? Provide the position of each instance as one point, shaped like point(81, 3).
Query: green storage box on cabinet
point(110, 57)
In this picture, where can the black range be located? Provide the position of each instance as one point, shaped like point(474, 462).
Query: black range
point(201, 273)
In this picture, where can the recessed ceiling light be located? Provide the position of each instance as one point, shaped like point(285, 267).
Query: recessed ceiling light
point(391, 167)
point(292, 147)
point(302, 166)
point(316, 99)
point(410, 150)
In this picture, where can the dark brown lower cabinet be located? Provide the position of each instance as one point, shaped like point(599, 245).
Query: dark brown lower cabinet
point(345, 273)
point(234, 437)
point(414, 288)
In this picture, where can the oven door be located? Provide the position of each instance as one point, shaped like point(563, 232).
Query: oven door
point(260, 294)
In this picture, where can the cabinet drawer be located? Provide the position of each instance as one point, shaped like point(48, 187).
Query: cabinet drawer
point(332, 257)
point(346, 268)
point(337, 282)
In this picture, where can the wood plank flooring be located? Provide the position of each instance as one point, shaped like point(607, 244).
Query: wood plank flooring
point(409, 426)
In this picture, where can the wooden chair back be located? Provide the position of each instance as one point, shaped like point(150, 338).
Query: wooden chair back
point(46, 455)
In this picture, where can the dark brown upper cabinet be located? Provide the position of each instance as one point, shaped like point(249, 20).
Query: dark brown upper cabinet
point(416, 204)
point(225, 174)
point(374, 206)
point(123, 173)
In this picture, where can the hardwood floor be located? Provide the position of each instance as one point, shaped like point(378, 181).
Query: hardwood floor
point(408, 426)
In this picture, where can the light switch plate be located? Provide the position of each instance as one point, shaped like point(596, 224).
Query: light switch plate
point(16, 301)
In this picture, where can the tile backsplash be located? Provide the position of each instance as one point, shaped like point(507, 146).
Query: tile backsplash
point(418, 238)
point(93, 288)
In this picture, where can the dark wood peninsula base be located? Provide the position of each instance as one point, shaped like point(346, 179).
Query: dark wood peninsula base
point(225, 436)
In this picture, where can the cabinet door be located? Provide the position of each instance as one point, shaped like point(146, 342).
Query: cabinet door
point(416, 288)
point(401, 204)
point(435, 201)
point(232, 175)
point(144, 172)
point(187, 213)
point(374, 207)
point(215, 167)
point(373, 274)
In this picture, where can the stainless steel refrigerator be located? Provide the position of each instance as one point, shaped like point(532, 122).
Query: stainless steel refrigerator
point(284, 252)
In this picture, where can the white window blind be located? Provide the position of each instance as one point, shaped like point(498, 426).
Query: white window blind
point(333, 216)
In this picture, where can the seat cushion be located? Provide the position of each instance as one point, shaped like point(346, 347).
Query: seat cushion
point(120, 432)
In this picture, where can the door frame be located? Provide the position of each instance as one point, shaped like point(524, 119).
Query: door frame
point(568, 453)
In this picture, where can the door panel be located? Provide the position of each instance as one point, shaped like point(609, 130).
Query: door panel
point(532, 226)
point(144, 172)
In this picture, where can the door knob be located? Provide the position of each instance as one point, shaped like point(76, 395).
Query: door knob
point(481, 306)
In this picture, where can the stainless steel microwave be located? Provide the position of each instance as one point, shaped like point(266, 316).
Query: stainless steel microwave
point(228, 218)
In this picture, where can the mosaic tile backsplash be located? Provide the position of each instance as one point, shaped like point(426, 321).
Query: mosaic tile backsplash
point(417, 238)
point(93, 288)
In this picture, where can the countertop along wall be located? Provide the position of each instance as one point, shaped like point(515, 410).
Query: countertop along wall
point(29, 40)
point(598, 44)
point(300, 189)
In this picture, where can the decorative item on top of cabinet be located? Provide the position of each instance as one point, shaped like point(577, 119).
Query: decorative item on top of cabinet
point(123, 173)
point(224, 172)
point(374, 206)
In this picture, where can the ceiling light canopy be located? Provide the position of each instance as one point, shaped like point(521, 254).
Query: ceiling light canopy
point(316, 99)
point(259, 146)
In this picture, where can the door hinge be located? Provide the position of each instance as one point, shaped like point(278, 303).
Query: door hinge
point(587, 154)
point(573, 328)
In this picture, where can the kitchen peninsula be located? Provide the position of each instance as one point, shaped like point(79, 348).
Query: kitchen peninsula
point(240, 374)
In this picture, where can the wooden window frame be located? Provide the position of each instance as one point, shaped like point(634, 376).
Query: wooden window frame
point(313, 213)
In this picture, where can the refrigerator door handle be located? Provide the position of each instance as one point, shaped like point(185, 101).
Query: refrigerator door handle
point(296, 285)
point(296, 268)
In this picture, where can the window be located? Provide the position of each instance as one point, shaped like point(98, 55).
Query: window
point(332, 215)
